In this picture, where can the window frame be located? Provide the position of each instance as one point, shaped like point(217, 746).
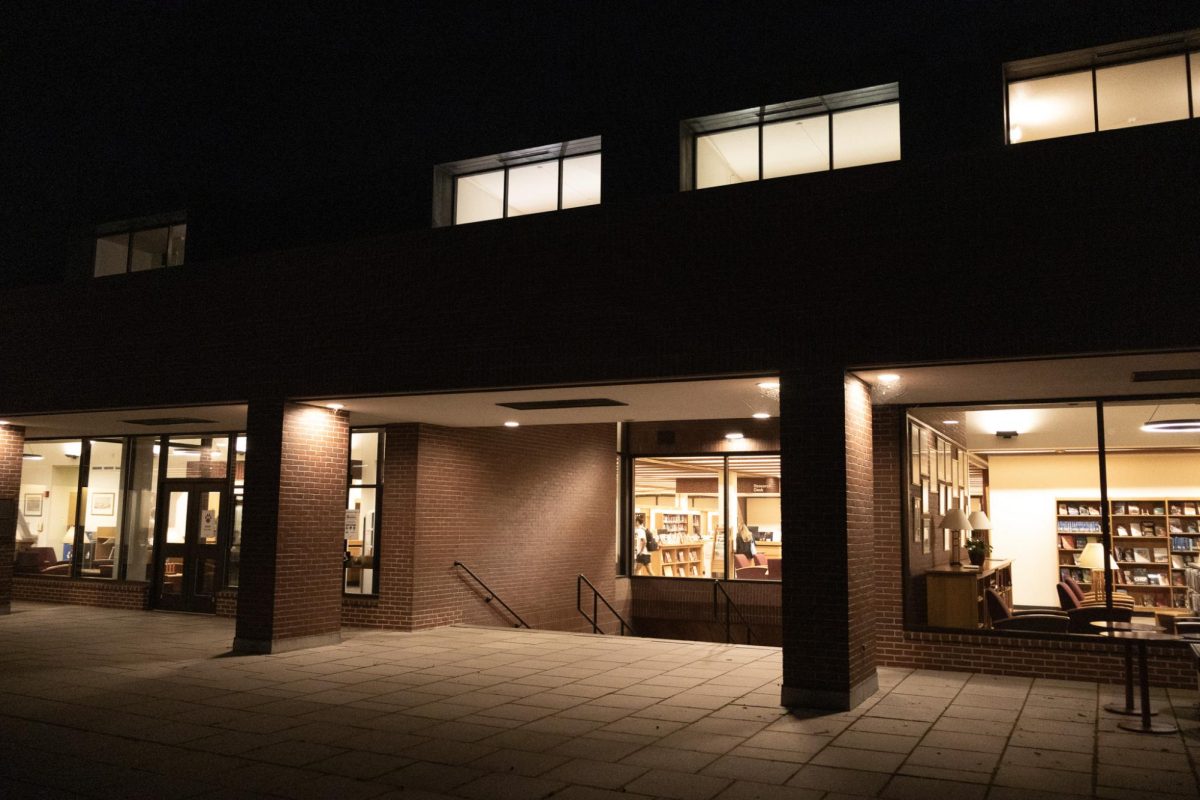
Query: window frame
point(131, 229)
point(377, 486)
point(628, 507)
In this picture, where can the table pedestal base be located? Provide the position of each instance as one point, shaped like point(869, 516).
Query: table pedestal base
point(1128, 711)
point(1147, 727)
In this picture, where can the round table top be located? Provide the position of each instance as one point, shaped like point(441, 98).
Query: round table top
point(1140, 634)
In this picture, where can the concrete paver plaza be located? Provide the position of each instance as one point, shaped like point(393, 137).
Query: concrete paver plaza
point(102, 703)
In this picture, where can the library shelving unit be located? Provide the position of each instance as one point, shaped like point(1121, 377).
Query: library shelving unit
point(675, 522)
point(680, 560)
point(1154, 540)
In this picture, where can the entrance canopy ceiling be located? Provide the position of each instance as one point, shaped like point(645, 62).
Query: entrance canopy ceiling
point(134, 422)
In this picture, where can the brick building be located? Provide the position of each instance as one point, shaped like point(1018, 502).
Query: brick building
point(766, 297)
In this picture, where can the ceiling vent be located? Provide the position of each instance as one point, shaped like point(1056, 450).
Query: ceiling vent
point(1147, 376)
point(158, 422)
point(544, 405)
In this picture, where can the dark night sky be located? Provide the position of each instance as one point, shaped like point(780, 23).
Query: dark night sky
point(114, 108)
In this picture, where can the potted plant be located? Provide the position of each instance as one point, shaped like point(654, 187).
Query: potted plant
point(978, 550)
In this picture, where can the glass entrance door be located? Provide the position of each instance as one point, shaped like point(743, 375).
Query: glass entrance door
point(189, 557)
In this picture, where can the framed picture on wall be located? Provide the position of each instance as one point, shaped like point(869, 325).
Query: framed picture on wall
point(914, 518)
point(32, 505)
point(925, 455)
point(914, 447)
point(103, 504)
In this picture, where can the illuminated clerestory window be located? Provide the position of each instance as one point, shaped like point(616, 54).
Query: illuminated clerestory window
point(1117, 86)
point(532, 181)
point(847, 129)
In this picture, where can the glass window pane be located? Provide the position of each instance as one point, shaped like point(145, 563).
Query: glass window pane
point(112, 252)
point(46, 512)
point(533, 188)
point(727, 157)
point(581, 181)
point(102, 514)
point(754, 501)
point(1044, 108)
point(175, 245)
point(1032, 474)
point(678, 529)
point(1195, 65)
point(149, 249)
point(197, 457)
point(796, 146)
point(1154, 485)
point(364, 455)
point(177, 518)
point(866, 135)
point(1142, 93)
point(360, 532)
point(479, 197)
point(140, 499)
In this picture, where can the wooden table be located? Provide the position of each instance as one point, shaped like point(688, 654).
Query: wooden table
point(1130, 638)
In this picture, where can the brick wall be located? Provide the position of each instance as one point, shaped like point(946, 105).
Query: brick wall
point(827, 493)
point(672, 608)
point(82, 592)
point(12, 445)
point(1001, 655)
point(527, 509)
point(291, 576)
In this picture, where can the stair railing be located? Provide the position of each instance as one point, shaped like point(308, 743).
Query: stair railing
point(730, 609)
point(597, 599)
point(491, 595)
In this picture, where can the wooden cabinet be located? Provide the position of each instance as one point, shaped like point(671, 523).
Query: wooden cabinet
point(954, 595)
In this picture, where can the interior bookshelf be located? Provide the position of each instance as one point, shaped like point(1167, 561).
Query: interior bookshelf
point(680, 560)
point(1154, 541)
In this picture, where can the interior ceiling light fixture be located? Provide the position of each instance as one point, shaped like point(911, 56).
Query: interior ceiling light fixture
point(1178, 425)
point(1007, 434)
point(768, 385)
point(888, 378)
point(762, 415)
point(734, 435)
point(949, 422)
point(32, 456)
point(334, 406)
point(512, 423)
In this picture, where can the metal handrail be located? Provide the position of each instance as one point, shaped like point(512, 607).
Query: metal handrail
point(597, 598)
point(493, 596)
point(730, 605)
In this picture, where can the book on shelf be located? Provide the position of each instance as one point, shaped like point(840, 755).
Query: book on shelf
point(1081, 542)
point(1189, 509)
point(1176, 509)
point(1158, 510)
point(1125, 554)
point(1141, 555)
point(1176, 561)
point(1177, 579)
point(1122, 530)
point(1182, 543)
point(1140, 577)
point(1066, 543)
point(1176, 526)
point(1160, 555)
point(1155, 578)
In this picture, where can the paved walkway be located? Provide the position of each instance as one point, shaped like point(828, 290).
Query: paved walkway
point(100, 703)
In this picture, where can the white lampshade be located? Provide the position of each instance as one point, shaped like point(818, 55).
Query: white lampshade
point(1092, 556)
point(955, 520)
point(979, 521)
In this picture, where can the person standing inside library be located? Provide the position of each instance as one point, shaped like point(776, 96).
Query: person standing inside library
point(641, 553)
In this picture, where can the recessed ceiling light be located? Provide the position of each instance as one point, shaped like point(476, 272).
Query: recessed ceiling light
point(769, 385)
point(762, 415)
point(888, 378)
point(734, 435)
point(3, 422)
point(949, 422)
point(1172, 426)
point(334, 406)
point(512, 423)
point(32, 456)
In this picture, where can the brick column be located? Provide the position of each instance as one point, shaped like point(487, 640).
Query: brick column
point(827, 494)
point(12, 446)
point(290, 592)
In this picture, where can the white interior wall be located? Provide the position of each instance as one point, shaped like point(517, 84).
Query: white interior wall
point(1024, 488)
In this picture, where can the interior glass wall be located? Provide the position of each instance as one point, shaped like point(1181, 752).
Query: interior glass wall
point(102, 494)
point(141, 499)
point(234, 559)
point(364, 485)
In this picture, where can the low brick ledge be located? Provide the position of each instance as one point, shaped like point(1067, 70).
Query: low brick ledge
point(98, 592)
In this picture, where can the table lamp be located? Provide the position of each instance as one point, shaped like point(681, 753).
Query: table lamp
point(1092, 558)
point(955, 520)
